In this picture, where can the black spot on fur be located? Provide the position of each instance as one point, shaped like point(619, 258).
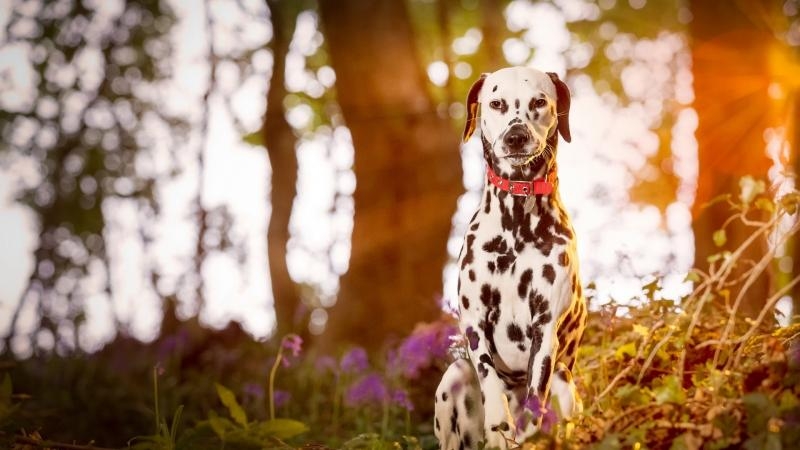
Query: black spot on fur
point(524, 282)
point(438, 427)
point(496, 245)
point(549, 273)
point(504, 262)
point(444, 396)
point(471, 274)
point(547, 369)
point(491, 266)
point(516, 104)
point(466, 440)
point(486, 359)
point(502, 426)
point(563, 259)
point(474, 226)
point(494, 88)
point(473, 338)
point(486, 295)
point(514, 332)
point(454, 420)
point(464, 302)
point(469, 256)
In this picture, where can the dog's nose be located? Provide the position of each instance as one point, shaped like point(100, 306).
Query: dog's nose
point(516, 138)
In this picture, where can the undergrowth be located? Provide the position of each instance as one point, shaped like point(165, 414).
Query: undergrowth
point(659, 373)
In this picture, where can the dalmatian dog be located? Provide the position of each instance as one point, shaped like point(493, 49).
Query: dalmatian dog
point(521, 308)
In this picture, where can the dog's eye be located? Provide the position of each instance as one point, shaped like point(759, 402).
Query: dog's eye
point(540, 103)
point(495, 104)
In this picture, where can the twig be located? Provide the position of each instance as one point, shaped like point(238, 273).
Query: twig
point(619, 376)
point(56, 445)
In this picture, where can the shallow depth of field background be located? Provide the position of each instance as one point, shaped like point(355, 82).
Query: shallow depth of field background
point(289, 166)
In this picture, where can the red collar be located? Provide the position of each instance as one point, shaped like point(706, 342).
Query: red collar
point(539, 186)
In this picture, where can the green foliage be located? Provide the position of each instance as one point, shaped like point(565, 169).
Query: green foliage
point(7, 406)
point(240, 431)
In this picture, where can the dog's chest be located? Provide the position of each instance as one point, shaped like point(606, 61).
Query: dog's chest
point(514, 268)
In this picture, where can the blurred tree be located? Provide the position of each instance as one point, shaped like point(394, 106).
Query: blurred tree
point(408, 170)
point(742, 75)
point(95, 74)
point(280, 140)
point(616, 33)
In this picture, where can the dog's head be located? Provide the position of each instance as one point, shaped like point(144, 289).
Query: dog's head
point(519, 110)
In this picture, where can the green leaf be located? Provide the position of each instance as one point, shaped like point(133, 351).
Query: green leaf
point(686, 441)
point(176, 420)
point(788, 401)
point(282, 428)
point(670, 391)
point(693, 276)
point(641, 330)
point(610, 442)
point(628, 349)
point(229, 400)
point(720, 237)
point(760, 408)
point(220, 425)
point(765, 204)
point(253, 138)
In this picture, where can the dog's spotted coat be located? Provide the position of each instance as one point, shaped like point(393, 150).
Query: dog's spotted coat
point(522, 311)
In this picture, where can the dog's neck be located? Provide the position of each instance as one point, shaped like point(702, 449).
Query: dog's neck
point(539, 168)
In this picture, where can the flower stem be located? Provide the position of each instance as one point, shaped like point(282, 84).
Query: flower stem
point(155, 398)
point(385, 420)
point(272, 384)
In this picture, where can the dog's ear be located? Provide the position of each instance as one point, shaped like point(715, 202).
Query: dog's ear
point(472, 107)
point(562, 106)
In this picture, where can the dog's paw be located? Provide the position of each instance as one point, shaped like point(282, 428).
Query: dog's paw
point(499, 437)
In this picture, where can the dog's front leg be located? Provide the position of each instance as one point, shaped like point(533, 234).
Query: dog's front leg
point(497, 430)
point(540, 369)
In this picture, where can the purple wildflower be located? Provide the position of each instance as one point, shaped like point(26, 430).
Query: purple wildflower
point(253, 390)
point(368, 389)
point(428, 343)
point(325, 363)
point(281, 398)
point(400, 398)
point(534, 409)
point(354, 361)
point(294, 343)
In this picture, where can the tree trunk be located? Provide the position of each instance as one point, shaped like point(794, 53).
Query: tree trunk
point(731, 82)
point(494, 32)
point(408, 173)
point(280, 141)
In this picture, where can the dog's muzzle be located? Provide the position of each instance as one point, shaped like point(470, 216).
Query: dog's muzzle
point(516, 139)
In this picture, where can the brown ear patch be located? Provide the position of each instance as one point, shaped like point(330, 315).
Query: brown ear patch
point(473, 107)
point(562, 106)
